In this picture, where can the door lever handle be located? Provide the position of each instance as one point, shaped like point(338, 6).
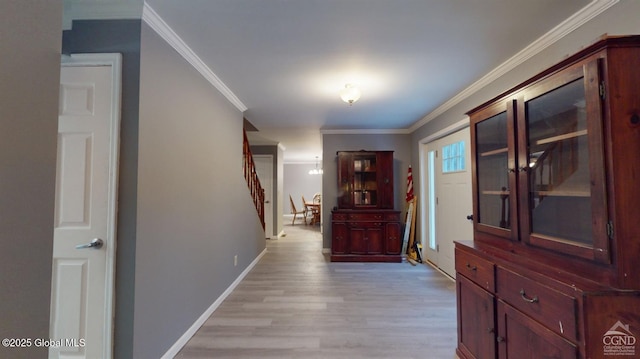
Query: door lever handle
point(95, 243)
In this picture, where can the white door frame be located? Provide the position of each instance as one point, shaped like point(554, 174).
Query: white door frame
point(114, 60)
point(422, 153)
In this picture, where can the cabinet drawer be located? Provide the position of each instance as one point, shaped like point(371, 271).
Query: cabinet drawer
point(554, 309)
point(364, 224)
point(479, 270)
point(339, 216)
point(393, 217)
point(365, 217)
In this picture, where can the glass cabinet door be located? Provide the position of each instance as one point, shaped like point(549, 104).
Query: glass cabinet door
point(561, 168)
point(365, 185)
point(495, 171)
point(365, 180)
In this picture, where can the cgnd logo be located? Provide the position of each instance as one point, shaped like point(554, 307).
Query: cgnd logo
point(619, 340)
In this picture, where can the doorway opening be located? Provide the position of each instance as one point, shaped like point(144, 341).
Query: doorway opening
point(445, 185)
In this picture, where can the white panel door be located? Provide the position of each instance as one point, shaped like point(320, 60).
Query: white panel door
point(453, 202)
point(264, 168)
point(82, 283)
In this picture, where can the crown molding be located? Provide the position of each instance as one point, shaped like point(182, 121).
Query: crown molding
point(593, 9)
point(447, 130)
point(152, 19)
point(399, 131)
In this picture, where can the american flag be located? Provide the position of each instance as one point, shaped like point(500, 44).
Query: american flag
point(409, 186)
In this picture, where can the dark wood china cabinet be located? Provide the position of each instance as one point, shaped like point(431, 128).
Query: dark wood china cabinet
point(365, 227)
point(553, 270)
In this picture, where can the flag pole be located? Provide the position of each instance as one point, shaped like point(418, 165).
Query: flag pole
point(408, 248)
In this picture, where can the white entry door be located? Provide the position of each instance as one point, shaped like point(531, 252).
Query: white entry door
point(449, 193)
point(84, 233)
point(264, 168)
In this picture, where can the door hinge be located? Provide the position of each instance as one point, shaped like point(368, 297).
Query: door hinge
point(602, 90)
point(610, 229)
point(437, 248)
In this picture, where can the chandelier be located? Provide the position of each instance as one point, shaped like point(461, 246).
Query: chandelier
point(316, 171)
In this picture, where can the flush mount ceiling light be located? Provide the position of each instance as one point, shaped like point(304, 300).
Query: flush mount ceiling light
point(350, 94)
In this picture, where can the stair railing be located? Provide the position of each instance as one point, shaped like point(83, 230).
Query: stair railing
point(250, 174)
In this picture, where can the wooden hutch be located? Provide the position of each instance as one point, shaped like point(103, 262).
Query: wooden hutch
point(553, 270)
point(364, 226)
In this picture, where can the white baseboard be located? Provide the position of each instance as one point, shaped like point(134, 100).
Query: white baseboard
point(178, 345)
point(430, 263)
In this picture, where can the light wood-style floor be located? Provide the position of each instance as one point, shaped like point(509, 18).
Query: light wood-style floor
point(297, 304)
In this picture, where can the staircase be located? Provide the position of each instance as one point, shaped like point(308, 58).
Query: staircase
point(250, 174)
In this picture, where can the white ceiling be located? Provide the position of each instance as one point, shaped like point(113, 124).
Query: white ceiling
point(286, 60)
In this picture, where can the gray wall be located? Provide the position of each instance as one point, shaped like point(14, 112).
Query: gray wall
point(175, 222)
point(194, 210)
point(29, 83)
point(332, 143)
point(298, 182)
point(121, 36)
point(620, 19)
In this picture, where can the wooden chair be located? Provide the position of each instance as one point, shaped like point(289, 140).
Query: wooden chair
point(295, 212)
point(307, 210)
point(315, 210)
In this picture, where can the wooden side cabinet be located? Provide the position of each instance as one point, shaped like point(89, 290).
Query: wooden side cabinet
point(365, 236)
point(552, 268)
point(365, 227)
point(555, 162)
point(507, 310)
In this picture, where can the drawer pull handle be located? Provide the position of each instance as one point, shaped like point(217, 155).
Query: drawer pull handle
point(499, 339)
point(470, 267)
point(526, 299)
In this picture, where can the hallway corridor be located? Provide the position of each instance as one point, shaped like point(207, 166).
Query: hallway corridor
point(297, 304)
